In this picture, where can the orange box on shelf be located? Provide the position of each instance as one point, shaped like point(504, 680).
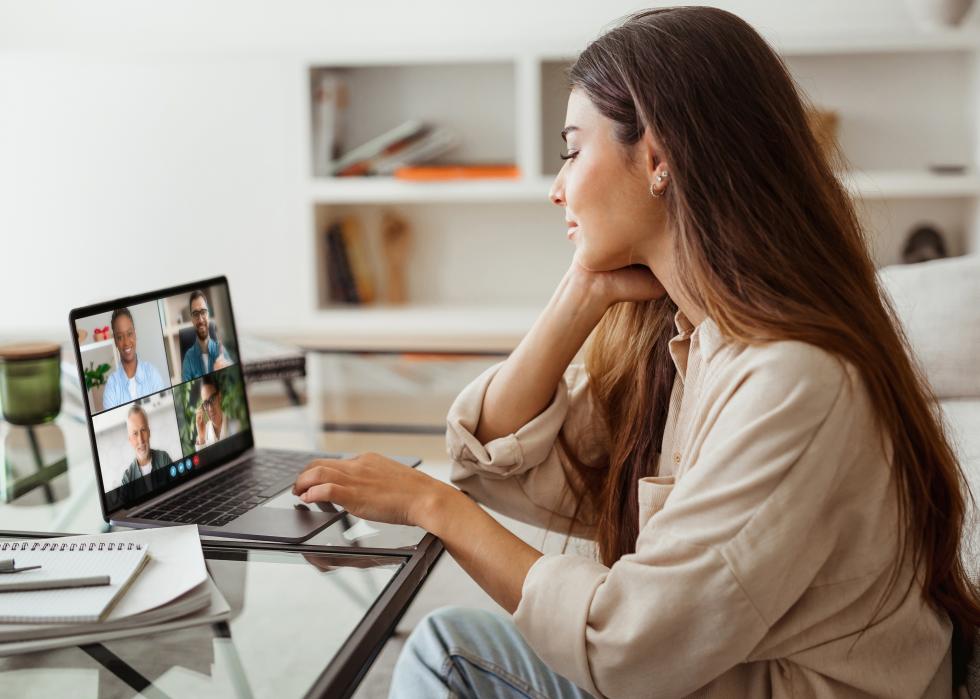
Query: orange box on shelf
point(428, 173)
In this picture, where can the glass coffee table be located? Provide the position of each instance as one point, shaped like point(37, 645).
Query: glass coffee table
point(307, 620)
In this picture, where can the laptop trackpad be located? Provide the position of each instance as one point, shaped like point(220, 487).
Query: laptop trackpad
point(287, 501)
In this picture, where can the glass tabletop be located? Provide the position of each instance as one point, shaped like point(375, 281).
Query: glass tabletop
point(273, 644)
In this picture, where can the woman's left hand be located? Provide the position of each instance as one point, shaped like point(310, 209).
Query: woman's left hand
point(372, 487)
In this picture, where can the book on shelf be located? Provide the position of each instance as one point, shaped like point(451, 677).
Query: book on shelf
point(340, 276)
point(358, 258)
point(351, 266)
point(330, 100)
point(358, 160)
point(410, 143)
point(438, 173)
point(425, 148)
point(396, 242)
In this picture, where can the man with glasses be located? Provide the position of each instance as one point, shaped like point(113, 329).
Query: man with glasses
point(207, 354)
point(212, 423)
point(133, 378)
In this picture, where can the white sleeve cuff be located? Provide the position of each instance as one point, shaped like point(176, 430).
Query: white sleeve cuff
point(507, 455)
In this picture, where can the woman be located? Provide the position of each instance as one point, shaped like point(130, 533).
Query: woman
point(776, 507)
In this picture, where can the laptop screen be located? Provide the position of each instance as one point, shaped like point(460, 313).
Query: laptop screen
point(164, 388)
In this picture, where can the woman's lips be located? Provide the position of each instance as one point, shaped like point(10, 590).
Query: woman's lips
point(571, 229)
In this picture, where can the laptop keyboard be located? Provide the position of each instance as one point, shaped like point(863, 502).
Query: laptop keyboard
point(221, 499)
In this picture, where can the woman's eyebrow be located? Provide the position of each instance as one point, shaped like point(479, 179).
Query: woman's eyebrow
point(566, 131)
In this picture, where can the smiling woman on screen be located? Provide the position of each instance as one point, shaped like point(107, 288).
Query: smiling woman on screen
point(776, 508)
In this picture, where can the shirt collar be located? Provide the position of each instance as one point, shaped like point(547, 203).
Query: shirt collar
point(709, 340)
point(683, 325)
point(140, 372)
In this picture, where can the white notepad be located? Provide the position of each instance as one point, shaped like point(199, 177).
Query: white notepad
point(61, 558)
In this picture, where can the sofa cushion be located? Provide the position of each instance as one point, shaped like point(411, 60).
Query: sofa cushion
point(963, 420)
point(938, 303)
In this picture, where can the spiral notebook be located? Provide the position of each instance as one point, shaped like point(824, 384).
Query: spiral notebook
point(121, 561)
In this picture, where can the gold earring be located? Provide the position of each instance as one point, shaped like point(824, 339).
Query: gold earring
point(661, 176)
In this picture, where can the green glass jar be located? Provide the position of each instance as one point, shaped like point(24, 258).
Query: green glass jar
point(30, 382)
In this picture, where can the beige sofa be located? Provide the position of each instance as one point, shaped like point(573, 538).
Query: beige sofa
point(938, 303)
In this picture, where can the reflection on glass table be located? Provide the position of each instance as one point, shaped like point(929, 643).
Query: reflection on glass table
point(27, 467)
point(48, 479)
point(275, 644)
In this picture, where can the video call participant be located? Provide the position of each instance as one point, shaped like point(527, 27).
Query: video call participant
point(147, 459)
point(206, 355)
point(212, 423)
point(133, 378)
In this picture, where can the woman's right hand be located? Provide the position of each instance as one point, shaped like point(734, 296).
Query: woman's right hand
point(633, 283)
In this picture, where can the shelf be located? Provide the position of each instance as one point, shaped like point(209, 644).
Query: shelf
point(871, 184)
point(350, 190)
point(948, 40)
point(88, 346)
point(411, 329)
point(909, 184)
point(938, 41)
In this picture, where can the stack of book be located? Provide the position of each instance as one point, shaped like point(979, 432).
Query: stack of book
point(407, 144)
point(78, 590)
point(349, 273)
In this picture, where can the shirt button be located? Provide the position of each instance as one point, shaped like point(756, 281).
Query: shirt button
point(677, 457)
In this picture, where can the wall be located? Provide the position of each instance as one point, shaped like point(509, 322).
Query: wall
point(145, 144)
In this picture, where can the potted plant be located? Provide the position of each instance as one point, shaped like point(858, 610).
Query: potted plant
point(95, 378)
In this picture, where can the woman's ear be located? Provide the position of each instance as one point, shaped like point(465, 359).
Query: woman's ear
point(651, 154)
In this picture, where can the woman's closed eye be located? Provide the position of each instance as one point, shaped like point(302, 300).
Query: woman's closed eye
point(568, 156)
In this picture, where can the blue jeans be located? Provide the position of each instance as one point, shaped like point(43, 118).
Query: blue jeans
point(460, 652)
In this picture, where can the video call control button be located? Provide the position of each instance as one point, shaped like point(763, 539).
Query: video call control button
point(180, 467)
point(173, 471)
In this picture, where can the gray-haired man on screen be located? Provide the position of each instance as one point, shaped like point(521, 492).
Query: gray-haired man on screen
point(147, 459)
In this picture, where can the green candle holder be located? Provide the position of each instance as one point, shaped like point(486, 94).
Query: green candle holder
point(30, 382)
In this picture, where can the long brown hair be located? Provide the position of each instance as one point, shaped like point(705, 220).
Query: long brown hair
point(769, 245)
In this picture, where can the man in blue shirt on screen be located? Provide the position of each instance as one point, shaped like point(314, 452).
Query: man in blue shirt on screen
point(133, 378)
point(205, 355)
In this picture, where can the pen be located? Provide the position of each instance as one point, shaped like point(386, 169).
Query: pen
point(53, 583)
point(7, 566)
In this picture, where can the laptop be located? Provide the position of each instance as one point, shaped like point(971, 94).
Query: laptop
point(169, 421)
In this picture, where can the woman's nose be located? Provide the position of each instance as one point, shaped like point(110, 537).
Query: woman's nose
point(557, 194)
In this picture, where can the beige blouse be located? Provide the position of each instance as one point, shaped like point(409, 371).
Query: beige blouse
point(766, 539)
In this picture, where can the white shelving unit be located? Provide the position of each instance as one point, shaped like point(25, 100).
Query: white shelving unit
point(91, 346)
point(874, 184)
point(487, 254)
